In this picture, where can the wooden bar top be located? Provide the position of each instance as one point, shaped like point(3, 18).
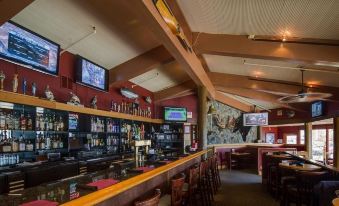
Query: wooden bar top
point(109, 192)
point(303, 167)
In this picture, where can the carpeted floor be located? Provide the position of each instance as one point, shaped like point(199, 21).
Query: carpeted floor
point(242, 188)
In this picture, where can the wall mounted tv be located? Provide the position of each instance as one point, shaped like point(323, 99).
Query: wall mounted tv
point(23, 46)
point(317, 109)
point(91, 74)
point(255, 119)
point(175, 114)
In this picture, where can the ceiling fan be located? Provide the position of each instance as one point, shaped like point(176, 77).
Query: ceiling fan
point(303, 95)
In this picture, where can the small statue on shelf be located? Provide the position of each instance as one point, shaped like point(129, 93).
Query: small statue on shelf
point(24, 86)
point(49, 93)
point(33, 89)
point(148, 100)
point(94, 102)
point(74, 99)
point(2, 79)
point(15, 83)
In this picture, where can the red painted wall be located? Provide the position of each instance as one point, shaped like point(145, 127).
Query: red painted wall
point(190, 102)
point(266, 130)
point(67, 69)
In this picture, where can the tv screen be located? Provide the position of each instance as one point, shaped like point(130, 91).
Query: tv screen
point(20, 45)
point(317, 108)
point(91, 74)
point(256, 119)
point(175, 114)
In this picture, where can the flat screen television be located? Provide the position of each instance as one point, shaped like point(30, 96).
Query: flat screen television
point(91, 74)
point(317, 109)
point(255, 119)
point(175, 114)
point(23, 46)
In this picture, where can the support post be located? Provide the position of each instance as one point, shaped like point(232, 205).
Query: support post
point(308, 139)
point(336, 141)
point(202, 117)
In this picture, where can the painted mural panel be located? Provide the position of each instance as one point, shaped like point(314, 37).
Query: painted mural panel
point(225, 126)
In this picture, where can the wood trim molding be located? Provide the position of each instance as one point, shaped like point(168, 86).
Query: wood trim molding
point(139, 65)
point(35, 101)
point(183, 89)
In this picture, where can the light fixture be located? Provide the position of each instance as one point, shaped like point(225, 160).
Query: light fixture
point(211, 110)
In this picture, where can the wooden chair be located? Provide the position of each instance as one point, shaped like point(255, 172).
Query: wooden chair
point(176, 197)
point(153, 201)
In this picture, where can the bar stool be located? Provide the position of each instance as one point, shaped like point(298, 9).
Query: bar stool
point(152, 201)
point(176, 197)
point(191, 188)
point(205, 184)
point(302, 191)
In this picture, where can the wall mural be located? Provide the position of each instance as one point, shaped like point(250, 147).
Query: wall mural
point(225, 126)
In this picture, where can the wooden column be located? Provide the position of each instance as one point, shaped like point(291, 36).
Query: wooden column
point(308, 138)
point(202, 117)
point(336, 141)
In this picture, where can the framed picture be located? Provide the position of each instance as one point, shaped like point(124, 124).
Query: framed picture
point(270, 138)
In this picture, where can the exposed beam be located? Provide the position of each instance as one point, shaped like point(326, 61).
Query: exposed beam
point(241, 46)
point(239, 81)
point(139, 65)
point(149, 15)
point(9, 8)
point(183, 89)
point(177, 12)
point(220, 97)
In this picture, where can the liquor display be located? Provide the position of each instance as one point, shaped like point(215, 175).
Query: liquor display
point(2, 79)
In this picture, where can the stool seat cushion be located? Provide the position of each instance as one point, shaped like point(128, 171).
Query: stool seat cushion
point(165, 200)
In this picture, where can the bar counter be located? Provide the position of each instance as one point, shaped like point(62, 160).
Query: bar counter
point(131, 185)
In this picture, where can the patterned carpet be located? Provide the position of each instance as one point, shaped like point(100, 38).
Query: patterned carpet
point(242, 188)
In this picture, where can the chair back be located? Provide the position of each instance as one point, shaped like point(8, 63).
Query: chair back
point(193, 179)
point(203, 169)
point(153, 201)
point(177, 194)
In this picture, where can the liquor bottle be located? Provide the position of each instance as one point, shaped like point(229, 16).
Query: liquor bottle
point(22, 145)
point(56, 124)
point(62, 125)
point(46, 123)
point(50, 122)
point(6, 147)
point(7, 120)
point(15, 144)
point(42, 123)
point(2, 120)
point(29, 146)
point(37, 122)
point(29, 122)
point(22, 122)
point(42, 141)
point(55, 143)
point(48, 142)
point(37, 142)
point(61, 143)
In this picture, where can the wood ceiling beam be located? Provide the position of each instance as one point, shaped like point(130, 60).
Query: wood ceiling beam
point(241, 46)
point(220, 97)
point(183, 89)
point(149, 15)
point(10, 8)
point(139, 65)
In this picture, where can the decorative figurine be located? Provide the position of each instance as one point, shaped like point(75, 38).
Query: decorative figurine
point(24, 86)
point(115, 107)
point(94, 102)
point(2, 79)
point(49, 93)
point(33, 88)
point(15, 83)
point(74, 99)
point(148, 100)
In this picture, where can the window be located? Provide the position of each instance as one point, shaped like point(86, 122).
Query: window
point(291, 138)
point(302, 136)
point(330, 144)
point(318, 144)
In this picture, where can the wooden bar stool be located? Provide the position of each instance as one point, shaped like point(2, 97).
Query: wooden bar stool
point(152, 201)
point(176, 197)
point(191, 188)
point(205, 184)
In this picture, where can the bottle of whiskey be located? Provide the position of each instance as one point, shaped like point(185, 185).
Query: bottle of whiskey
point(16, 121)
point(15, 144)
point(2, 120)
point(42, 141)
point(22, 145)
point(61, 143)
point(29, 146)
point(37, 142)
point(42, 123)
point(29, 122)
point(37, 122)
point(51, 125)
point(62, 125)
point(22, 122)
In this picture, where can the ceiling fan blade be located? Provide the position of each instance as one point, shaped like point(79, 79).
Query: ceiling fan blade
point(275, 93)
